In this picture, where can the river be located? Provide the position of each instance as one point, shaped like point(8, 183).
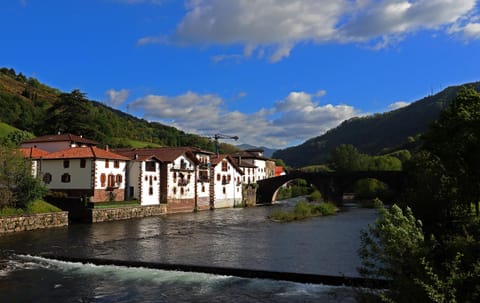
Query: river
point(238, 238)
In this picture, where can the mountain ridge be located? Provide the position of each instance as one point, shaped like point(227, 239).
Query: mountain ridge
point(373, 134)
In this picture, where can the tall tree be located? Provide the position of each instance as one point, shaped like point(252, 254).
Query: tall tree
point(72, 114)
point(455, 140)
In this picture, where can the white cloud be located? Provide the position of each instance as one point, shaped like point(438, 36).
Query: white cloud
point(397, 105)
point(290, 121)
point(115, 97)
point(272, 28)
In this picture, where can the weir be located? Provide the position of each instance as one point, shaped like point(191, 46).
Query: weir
point(237, 272)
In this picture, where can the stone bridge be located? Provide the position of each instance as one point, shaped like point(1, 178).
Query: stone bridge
point(332, 185)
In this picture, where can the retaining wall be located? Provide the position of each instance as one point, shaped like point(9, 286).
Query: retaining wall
point(30, 222)
point(123, 213)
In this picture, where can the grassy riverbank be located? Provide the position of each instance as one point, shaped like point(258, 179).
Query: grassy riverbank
point(304, 210)
point(35, 207)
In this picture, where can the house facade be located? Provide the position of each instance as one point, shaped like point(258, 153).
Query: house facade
point(258, 168)
point(85, 172)
point(226, 178)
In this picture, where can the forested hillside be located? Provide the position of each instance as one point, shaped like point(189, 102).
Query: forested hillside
point(32, 106)
point(373, 134)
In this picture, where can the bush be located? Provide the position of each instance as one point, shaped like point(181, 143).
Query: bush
point(304, 210)
point(315, 196)
point(324, 209)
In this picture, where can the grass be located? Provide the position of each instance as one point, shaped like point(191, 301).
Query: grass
point(5, 129)
point(113, 204)
point(36, 207)
point(137, 144)
point(304, 210)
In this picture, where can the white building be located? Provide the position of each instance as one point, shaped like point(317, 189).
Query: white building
point(226, 176)
point(85, 172)
point(260, 167)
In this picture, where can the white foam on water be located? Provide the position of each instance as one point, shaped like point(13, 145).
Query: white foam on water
point(124, 273)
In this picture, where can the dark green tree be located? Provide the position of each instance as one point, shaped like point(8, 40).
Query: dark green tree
point(73, 114)
point(347, 158)
point(17, 185)
point(454, 139)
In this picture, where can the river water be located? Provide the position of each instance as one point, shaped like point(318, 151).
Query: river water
point(238, 238)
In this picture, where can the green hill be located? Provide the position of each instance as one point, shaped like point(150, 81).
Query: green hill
point(31, 106)
point(373, 134)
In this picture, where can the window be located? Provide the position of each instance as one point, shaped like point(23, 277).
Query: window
point(65, 178)
point(203, 176)
point(224, 190)
point(116, 163)
point(174, 177)
point(218, 177)
point(107, 164)
point(66, 163)
point(150, 191)
point(174, 190)
point(111, 180)
point(103, 179)
point(83, 163)
point(183, 165)
point(203, 188)
point(118, 179)
point(224, 165)
point(150, 182)
point(182, 191)
point(47, 178)
point(150, 166)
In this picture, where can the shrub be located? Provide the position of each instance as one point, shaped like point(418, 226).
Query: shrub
point(315, 196)
point(324, 209)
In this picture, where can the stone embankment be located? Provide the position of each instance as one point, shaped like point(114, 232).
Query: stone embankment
point(17, 223)
point(122, 213)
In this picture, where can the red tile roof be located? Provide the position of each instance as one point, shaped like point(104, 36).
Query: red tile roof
point(60, 138)
point(163, 154)
point(84, 152)
point(33, 152)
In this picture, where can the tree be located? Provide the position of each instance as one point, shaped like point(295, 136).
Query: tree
point(455, 140)
point(17, 185)
point(73, 114)
point(347, 158)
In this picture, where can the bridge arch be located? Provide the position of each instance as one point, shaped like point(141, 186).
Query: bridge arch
point(332, 185)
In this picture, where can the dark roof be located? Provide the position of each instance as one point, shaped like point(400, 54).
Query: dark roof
point(249, 154)
point(60, 138)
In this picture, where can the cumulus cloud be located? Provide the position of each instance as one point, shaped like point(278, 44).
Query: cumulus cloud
point(299, 116)
point(115, 98)
point(397, 105)
point(272, 28)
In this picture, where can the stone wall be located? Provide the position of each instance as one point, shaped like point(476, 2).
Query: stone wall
point(30, 222)
point(123, 213)
point(249, 194)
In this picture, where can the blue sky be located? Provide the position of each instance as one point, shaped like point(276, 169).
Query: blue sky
point(273, 72)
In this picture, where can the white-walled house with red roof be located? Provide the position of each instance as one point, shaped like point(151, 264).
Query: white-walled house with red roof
point(142, 175)
point(226, 177)
point(177, 169)
point(85, 171)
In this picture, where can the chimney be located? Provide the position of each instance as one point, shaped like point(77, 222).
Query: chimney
point(107, 148)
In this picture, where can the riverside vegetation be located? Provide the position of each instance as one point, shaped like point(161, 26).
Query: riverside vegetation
point(428, 244)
